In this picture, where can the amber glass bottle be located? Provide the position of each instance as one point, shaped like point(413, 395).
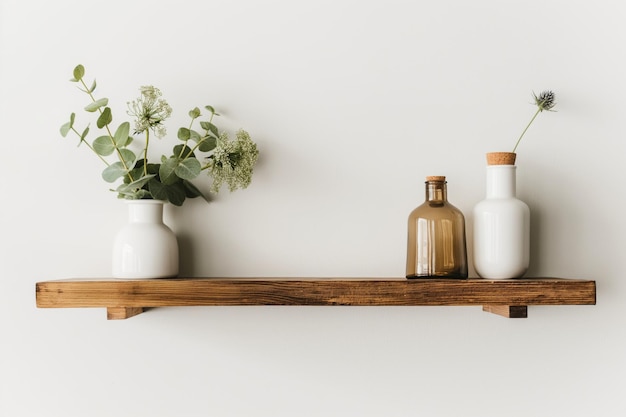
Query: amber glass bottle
point(436, 238)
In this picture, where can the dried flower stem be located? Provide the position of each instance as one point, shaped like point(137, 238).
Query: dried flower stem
point(545, 101)
point(527, 126)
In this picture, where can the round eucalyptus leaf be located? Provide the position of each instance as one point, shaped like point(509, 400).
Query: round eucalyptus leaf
point(184, 133)
point(79, 72)
point(183, 151)
point(105, 118)
point(113, 172)
point(121, 135)
point(210, 127)
point(167, 171)
point(208, 144)
point(195, 113)
point(188, 169)
point(103, 146)
point(195, 136)
point(65, 129)
point(212, 110)
point(127, 156)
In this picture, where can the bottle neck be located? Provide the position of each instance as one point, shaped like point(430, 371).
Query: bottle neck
point(436, 192)
point(501, 181)
point(145, 211)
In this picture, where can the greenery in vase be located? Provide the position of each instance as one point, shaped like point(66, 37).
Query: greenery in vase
point(545, 101)
point(226, 161)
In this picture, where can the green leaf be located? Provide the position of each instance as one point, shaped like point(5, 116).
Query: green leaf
point(93, 87)
point(212, 110)
point(127, 156)
point(184, 133)
point(103, 146)
point(79, 72)
point(121, 135)
point(138, 171)
point(183, 151)
point(125, 143)
point(210, 127)
point(174, 193)
point(188, 169)
point(208, 144)
point(123, 192)
point(113, 172)
point(167, 171)
point(131, 189)
point(153, 168)
point(92, 107)
point(195, 136)
point(142, 181)
point(195, 113)
point(188, 134)
point(65, 129)
point(157, 190)
point(84, 134)
point(105, 118)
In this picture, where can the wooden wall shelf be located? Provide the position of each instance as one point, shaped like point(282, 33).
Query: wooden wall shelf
point(127, 298)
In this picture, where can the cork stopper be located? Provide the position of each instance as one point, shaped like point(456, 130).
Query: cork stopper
point(436, 178)
point(501, 158)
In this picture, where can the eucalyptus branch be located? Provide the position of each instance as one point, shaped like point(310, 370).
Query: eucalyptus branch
point(89, 92)
point(169, 179)
point(82, 140)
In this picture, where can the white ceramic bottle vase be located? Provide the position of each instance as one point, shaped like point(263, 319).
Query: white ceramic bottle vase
point(145, 247)
point(501, 226)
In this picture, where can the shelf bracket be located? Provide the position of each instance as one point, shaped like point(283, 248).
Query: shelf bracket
point(511, 312)
point(121, 313)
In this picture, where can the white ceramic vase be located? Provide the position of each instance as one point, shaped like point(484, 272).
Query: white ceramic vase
point(145, 247)
point(501, 228)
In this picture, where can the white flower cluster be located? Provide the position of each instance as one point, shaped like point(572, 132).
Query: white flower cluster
point(232, 162)
point(150, 111)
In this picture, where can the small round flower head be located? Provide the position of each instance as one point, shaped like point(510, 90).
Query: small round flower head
point(150, 111)
point(545, 101)
point(232, 162)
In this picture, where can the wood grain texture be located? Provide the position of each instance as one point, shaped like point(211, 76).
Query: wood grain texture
point(121, 313)
point(312, 291)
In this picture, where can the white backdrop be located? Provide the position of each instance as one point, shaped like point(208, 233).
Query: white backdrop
point(352, 104)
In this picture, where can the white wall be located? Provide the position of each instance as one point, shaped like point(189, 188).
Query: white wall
point(352, 104)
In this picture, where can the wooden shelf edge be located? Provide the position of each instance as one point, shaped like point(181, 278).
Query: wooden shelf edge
point(127, 298)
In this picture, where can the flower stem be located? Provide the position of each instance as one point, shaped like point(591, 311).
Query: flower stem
point(527, 126)
point(145, 153)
